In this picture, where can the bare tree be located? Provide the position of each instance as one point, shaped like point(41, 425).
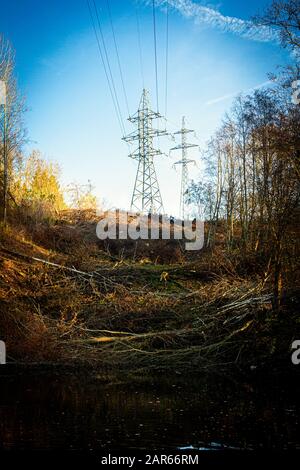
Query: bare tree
point(256, 186)
point(284, 16)
point(12, 131)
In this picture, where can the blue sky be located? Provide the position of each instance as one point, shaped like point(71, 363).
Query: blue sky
point(71, 118)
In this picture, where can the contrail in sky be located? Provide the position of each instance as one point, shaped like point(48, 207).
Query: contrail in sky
point(201, 14)
point(232, 95)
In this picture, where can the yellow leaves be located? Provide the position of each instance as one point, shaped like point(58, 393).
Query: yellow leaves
point(39, 182)
point(164, 277)
point(141, 300)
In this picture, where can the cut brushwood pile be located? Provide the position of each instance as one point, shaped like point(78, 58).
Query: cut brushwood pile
point(105, 312)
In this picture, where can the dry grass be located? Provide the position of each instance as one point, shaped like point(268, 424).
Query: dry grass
point(124, 312)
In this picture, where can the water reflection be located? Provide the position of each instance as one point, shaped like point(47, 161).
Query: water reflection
point(51, 411)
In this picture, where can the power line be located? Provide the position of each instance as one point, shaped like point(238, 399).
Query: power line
point(109, 67)
point(167, 59)
point(155, 52)
point(140, 46)
point(104, 66)
point(108, 63)
point(118, 56)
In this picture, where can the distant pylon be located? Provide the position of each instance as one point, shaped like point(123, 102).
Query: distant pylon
point(146, 195)
point(184, 162)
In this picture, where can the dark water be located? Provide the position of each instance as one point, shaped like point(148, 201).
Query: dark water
point(90, 412)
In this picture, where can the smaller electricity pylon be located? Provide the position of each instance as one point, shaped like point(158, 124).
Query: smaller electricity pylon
point(146, 195)
point(184, 162)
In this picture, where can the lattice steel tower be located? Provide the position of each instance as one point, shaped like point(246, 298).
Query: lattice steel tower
point(146, 195)
point(184, 162)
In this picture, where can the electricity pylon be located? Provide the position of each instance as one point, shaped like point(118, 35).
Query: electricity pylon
point(146, 195)
point(184, 162)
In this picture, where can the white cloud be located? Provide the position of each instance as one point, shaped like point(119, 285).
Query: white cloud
point(207, 15)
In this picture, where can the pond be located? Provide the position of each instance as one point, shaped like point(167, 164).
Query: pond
point(99, 412)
